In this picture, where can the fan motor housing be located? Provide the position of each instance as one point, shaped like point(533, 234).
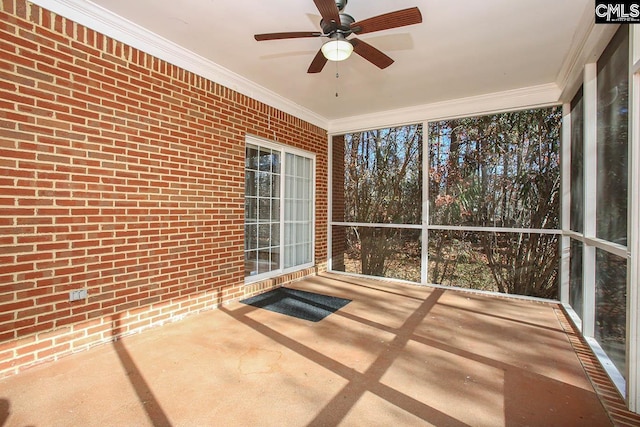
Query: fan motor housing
point(344, 27)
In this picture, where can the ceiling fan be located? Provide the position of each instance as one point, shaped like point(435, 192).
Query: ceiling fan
point(337, 26)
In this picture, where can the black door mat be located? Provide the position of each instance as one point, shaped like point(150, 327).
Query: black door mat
point(301, 304)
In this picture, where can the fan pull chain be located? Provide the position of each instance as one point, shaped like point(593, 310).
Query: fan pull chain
point(337, 77)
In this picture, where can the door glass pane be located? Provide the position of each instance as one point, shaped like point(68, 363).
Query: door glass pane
point(298, 221)
point(250, 183)
point(252, 158)
point(261, 210)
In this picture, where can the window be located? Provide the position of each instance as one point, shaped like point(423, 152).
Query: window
point(377, 203)
point(612, 198)
point(576, 283)
point(298, 208)
point(493, 192)
point(611, 303)
point(494, 202)
point(279, 193)
point(613, 141)
point(598, 280)
point(577, 163)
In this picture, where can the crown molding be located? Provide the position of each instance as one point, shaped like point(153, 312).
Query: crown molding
point(106, 22)
point(516, 99)
point(588, 43)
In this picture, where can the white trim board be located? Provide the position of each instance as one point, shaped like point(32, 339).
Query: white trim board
point(517, 99)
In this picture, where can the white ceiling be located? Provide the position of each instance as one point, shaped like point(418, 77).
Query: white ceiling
point(463, 48)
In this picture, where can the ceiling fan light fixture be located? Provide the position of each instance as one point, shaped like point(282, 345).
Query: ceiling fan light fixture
point(337, 49)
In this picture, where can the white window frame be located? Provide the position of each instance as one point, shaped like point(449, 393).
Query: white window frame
point(633, 266)
point(629, 389)
point(284, 149)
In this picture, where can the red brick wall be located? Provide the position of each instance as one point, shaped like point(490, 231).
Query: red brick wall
point(123, 175)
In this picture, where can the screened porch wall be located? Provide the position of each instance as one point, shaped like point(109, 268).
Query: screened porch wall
point(594, 249)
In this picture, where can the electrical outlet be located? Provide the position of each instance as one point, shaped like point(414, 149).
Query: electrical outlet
point(78, 295)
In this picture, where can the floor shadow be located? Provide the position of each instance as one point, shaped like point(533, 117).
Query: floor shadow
point(152, 407)
point(505, 318)
point(354, 282)
point(359, 383)
point(5, 411)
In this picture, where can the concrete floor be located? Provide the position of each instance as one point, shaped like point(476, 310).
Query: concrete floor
point(397, 355)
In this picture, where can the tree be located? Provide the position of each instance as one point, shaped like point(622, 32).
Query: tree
point(383, 185)
point(500, 171)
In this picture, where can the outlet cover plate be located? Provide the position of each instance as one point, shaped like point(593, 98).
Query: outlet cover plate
point(78, 295)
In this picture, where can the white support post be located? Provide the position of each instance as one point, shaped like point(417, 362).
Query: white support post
point(565, 200)
point(590, 94)
point(424, 267)
point(633, 264)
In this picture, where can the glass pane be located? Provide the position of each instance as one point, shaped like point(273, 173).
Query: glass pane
point(577, 149)
point(383, 252)
point(264, 184)
point(262, 206)
point(275, 210)
point(301, 190)
point(297, 220)
point(275, 258)
point(512, 263)
point(611, 307)
point(275, 163)
point(275, 234)
point(250, 209)
point(250, 236)
point(289, 236)
point(496, 171)
point(252, 158)
point(575, 283)
point(266, 159)
point(250, 183)
point(264, 235)
point(275, 185)
point(612, 141)
point(377, 176)
point(264, 212)
point(250, 263)
point(265, 263)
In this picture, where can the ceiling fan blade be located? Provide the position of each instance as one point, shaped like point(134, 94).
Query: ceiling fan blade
point(399, 18)
point(318, 63)
point(371, 54)
point(290, 35)
point(328, 10)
